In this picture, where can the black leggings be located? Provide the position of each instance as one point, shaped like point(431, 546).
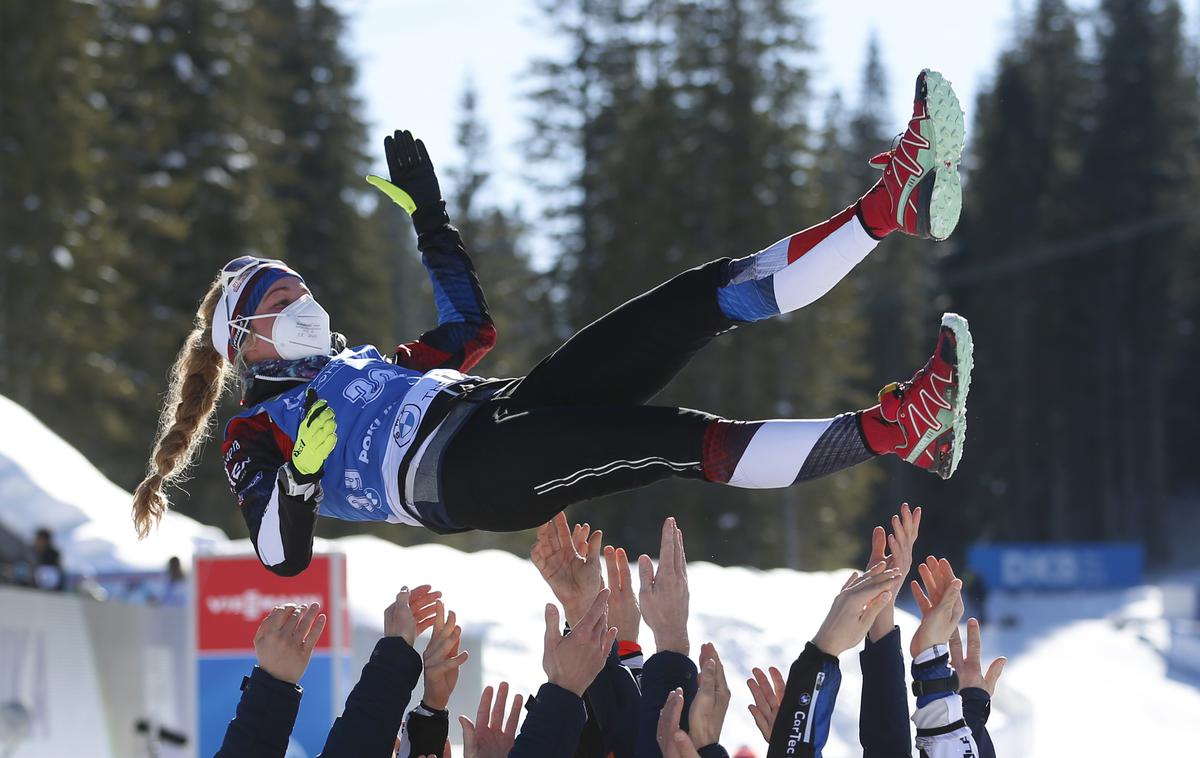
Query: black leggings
point(576, 428)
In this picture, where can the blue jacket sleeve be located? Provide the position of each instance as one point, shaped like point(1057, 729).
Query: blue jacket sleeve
point(662, 673)
point(375, 709)
point(883, 726)
point(265, 716)
point(977, 706)
point(614, 698)
point(465, 331)
point(552, 726)
point(802, 724)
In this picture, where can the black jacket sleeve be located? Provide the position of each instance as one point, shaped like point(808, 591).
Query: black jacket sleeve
point(883, 726)
point(662, 673)
point(265, 716)
point(613, 699)
point(465, 332)
point(280, 514)
point(552, 727)
point(374, 711)
point(802, 724)
point(977, 706)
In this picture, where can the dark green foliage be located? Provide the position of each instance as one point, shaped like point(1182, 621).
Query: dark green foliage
point(142, 145)
point(1077, 249)
point(684, 126)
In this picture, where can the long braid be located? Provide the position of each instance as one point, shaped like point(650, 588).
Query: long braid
point(197, 380)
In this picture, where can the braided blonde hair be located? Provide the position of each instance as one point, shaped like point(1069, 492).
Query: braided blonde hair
point(197, 380)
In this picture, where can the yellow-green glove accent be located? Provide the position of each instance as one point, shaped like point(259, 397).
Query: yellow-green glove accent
point(397, 195)
point(315, 439)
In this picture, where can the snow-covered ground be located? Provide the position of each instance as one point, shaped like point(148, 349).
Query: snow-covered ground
point(44, 482)
point(1086, 675)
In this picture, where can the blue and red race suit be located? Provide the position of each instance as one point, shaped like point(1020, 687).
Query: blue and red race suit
point(384, 409)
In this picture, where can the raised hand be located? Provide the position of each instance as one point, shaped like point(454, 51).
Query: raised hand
point(905, 527)
point(623, 611)
point(414, 185)
point(854, 609)
point(411, 613)
point(940, 603)
point(570, 564)
point(664, 593)
point(673, 741)
point(442, 659)
point(573, 661)
point(707, 714)
point(286, 638)
point(970, 666)
point(767, 695)
point(491, 736)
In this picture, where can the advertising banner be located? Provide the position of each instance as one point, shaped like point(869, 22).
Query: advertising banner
point(232, 596)
point(1057, 566)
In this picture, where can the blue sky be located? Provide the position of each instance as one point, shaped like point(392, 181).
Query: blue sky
point(415, 56)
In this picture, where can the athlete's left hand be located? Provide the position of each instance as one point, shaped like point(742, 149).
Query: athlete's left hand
point(905, 527)
point(414, 185)
point(442, 659)
point(570, 564)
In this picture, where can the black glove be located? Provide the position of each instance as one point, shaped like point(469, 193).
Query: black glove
point(414, 185)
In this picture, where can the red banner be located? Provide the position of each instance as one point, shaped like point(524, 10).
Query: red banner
point(235, 593)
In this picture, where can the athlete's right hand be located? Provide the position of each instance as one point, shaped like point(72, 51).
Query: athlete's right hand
point(315, 439)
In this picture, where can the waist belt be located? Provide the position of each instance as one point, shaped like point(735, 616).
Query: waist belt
point(422, 485)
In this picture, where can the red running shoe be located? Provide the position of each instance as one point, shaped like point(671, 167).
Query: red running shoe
point(919, 193)
point(924, 420)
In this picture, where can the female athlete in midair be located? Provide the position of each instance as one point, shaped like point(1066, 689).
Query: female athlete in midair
point(343, 432)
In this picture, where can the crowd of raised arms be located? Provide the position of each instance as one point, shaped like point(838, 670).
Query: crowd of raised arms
point(603, 698)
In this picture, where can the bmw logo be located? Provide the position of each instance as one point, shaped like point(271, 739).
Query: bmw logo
point(407, 423)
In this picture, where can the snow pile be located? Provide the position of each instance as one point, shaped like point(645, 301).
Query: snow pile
point(44, 482)
point(1070, 653)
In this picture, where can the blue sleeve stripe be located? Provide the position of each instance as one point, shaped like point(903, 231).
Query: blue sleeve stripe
point(822, 714)
point(453, 291)
point(752, 300)
point(926, 673)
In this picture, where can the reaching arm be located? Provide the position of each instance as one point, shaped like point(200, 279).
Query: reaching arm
point(942, 732)
point(280, 513)
point(375, 708)
point(614, 698)
point(265, 716)
point(883, 728)
point(802, 726)
point(465, 332)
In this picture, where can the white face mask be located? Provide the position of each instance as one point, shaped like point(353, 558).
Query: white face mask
point(300, 330)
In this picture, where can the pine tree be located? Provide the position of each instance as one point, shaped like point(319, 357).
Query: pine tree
point(1024, 153)
point(60, 289)
point(1143, 153)
point(692, 143)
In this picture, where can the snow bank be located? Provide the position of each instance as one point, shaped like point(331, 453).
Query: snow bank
point(1070, 654)
point(46, 482)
